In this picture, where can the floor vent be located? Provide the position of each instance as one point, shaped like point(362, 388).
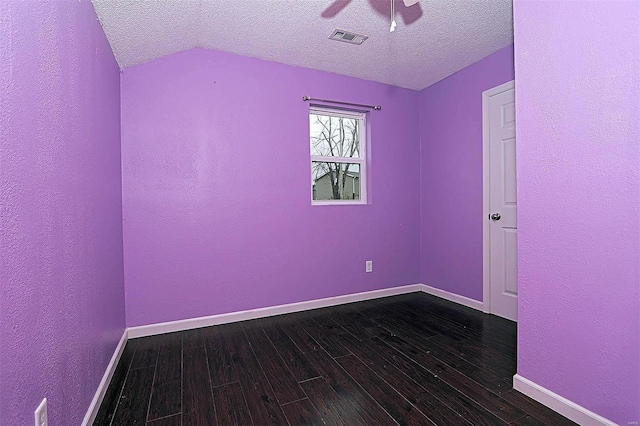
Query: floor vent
point(347, 37)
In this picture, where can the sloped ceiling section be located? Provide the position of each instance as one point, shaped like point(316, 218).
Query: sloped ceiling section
point(433, 39)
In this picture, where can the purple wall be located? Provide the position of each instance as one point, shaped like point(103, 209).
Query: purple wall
point(61, 292)
point(578, 127)
point(451, 180)
point(216, 189)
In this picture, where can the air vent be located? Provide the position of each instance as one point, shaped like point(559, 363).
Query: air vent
point(347, 37)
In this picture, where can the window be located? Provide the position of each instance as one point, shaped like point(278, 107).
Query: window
point(338, 160)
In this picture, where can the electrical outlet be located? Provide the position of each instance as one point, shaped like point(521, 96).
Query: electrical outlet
point(368, 266)
point(41, 414)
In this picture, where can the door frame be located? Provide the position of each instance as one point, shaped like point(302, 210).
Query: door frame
point(486, 191)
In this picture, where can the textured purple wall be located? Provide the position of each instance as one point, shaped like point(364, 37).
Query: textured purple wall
point(451, 181)
point(578, 127)
point(216, 189)
point(61, 292)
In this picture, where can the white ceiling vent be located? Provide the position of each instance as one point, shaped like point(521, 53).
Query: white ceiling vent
point(347, 37)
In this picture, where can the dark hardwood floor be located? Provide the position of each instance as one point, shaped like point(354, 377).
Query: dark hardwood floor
point(412, 359)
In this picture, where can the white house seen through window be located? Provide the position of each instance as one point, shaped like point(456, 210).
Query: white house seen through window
point(338, 161)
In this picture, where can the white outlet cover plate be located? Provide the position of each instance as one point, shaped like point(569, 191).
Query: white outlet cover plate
point(41, 414)
point(368, 266)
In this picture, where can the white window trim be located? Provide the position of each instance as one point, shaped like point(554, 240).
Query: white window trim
point(361, 160)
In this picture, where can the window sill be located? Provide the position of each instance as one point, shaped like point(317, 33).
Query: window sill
point(339, 203)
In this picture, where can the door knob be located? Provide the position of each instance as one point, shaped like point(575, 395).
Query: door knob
point(495, 216)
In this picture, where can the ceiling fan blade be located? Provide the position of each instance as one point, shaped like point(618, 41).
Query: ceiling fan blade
point(410, 2)
point(411, 14)
point(335, 8)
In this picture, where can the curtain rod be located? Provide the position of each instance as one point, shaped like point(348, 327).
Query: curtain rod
point(374, 107)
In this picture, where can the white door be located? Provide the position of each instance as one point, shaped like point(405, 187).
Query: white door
point(502, 202)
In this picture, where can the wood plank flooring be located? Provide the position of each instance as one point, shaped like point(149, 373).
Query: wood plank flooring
point(411, 360)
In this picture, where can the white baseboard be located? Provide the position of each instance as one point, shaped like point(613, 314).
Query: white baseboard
point(187, 324)
point(557, 403)
point(104, 383)
point(452, 297)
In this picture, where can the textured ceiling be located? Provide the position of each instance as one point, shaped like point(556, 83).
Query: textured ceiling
point(433, 39)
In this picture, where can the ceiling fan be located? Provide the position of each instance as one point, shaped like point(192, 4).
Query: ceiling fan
point(410, 13)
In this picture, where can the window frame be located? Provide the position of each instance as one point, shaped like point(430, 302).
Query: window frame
point(361, 160)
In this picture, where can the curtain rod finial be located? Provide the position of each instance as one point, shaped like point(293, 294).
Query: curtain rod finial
point(305, 98)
